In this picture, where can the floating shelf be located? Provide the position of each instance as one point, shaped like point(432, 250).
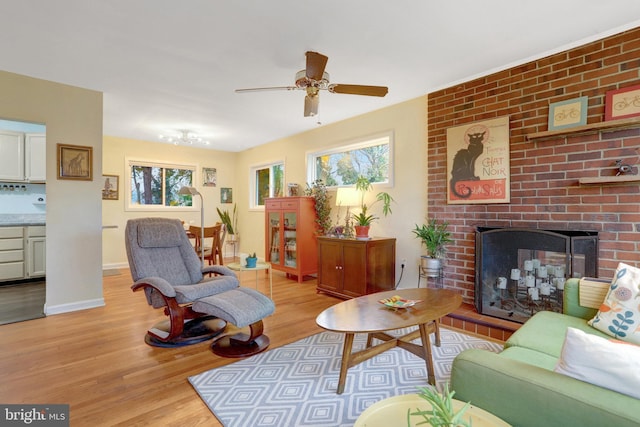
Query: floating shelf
point(593, 127)
point(609, 179)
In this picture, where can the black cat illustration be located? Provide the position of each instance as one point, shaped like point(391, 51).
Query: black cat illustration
point(464, 165)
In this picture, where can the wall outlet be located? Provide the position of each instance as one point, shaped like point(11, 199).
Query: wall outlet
point(403, 263)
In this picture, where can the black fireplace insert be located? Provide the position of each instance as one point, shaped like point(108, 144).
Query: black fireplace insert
point(521, 271)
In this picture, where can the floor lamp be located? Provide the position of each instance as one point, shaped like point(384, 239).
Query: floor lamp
point(193, 192)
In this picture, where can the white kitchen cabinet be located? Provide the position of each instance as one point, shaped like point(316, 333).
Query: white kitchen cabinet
point(35, 157)
point(11, 253)
point(36, 251)
point(11, 156)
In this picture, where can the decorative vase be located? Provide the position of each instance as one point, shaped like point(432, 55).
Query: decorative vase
point(251, 262)
point(362, 231)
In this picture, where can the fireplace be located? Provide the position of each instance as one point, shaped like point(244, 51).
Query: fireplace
point(522, 271)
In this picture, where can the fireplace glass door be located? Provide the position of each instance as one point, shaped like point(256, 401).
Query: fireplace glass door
point(522, 271)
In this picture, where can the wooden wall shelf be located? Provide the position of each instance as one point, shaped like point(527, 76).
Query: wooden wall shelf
point(593, 127)
point(609, 179)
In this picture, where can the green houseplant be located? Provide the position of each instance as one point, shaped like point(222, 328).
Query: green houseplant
point(434, 236)
point(442, 413)
point(230, 221)
point(364, 219)
point(318, 190)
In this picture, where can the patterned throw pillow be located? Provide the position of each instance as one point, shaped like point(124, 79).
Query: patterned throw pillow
point(619, 314)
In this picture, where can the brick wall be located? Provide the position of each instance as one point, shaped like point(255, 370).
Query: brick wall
point(545, 192)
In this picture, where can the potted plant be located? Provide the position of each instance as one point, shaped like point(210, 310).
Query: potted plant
point(443, 410)
point(364, 219)
point(442, 413)
point(434, 236)
point(318, 190)
point(230, 222)
point(252, 260)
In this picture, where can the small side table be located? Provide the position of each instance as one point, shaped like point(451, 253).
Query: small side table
point(438, 280)
point(236, 266)
point(388, 411)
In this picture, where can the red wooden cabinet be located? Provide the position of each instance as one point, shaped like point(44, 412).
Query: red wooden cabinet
point(290, 235)
point(350, 268)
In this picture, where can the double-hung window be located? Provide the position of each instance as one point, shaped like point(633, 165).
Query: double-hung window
point(341, 166)
point(267, 180)
point(155, 186)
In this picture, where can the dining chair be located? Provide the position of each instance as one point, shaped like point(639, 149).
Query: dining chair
point(212, 251)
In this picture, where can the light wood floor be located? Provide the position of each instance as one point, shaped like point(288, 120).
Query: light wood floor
point(96, 360)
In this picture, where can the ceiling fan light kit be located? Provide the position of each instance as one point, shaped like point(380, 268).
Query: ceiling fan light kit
point(314, 78)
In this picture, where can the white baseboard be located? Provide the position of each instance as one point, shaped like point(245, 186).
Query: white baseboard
point(115, 266)
point(73, 306)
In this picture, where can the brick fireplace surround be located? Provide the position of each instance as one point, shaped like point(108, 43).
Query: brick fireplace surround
point(545, 191)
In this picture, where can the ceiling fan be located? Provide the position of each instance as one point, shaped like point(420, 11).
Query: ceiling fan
point(313, 79)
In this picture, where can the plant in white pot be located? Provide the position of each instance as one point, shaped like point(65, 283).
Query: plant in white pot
point(364, 219)
point(434, 236)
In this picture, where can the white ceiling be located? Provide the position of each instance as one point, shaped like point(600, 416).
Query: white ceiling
point(166, 65)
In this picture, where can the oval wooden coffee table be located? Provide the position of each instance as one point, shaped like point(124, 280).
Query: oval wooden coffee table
point(366, 315)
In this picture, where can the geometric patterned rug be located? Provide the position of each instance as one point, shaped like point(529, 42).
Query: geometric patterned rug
point(295, 385)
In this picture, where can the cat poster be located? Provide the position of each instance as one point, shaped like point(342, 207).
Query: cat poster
point(478, 162)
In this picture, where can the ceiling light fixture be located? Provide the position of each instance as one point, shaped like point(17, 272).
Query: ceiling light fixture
point(185, 137)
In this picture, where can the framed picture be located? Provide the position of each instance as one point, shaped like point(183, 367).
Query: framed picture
point(110, 187)
point(568, 114)
point(226, 195)
point(478, 162)
point(209, 177)
point(622, 103)
point(75, 162)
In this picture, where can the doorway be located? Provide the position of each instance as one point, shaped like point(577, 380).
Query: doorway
point(22, 221)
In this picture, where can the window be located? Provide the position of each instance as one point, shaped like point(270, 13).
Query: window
point(342, 165)
point(153, 186)
point(266, 181)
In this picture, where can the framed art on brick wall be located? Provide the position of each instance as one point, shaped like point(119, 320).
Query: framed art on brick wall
point(478, 161)
point(568, 113)
point(622, 103)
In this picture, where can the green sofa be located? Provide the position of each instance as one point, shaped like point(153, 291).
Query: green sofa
point(520, 386)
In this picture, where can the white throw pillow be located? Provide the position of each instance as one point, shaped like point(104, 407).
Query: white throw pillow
point(619, 314)
point(611, 364)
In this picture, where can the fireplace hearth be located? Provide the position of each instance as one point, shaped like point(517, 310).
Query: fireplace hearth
point(521, 271)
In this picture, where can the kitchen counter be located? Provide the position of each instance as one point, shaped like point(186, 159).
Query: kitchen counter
point(22, 219)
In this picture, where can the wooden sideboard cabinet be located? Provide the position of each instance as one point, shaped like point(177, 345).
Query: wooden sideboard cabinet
point(290, 235)
point(350, 268)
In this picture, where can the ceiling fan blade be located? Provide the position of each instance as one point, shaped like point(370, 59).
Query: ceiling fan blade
point(359, 89)
point(315, 65)
point(311, 105)
point(262, 89)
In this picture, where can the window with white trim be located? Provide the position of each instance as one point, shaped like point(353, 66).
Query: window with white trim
point(266, 181)
point(341, 166)
point(155, 186)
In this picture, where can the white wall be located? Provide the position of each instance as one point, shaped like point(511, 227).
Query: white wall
point(74, 252)
point(25, 198)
